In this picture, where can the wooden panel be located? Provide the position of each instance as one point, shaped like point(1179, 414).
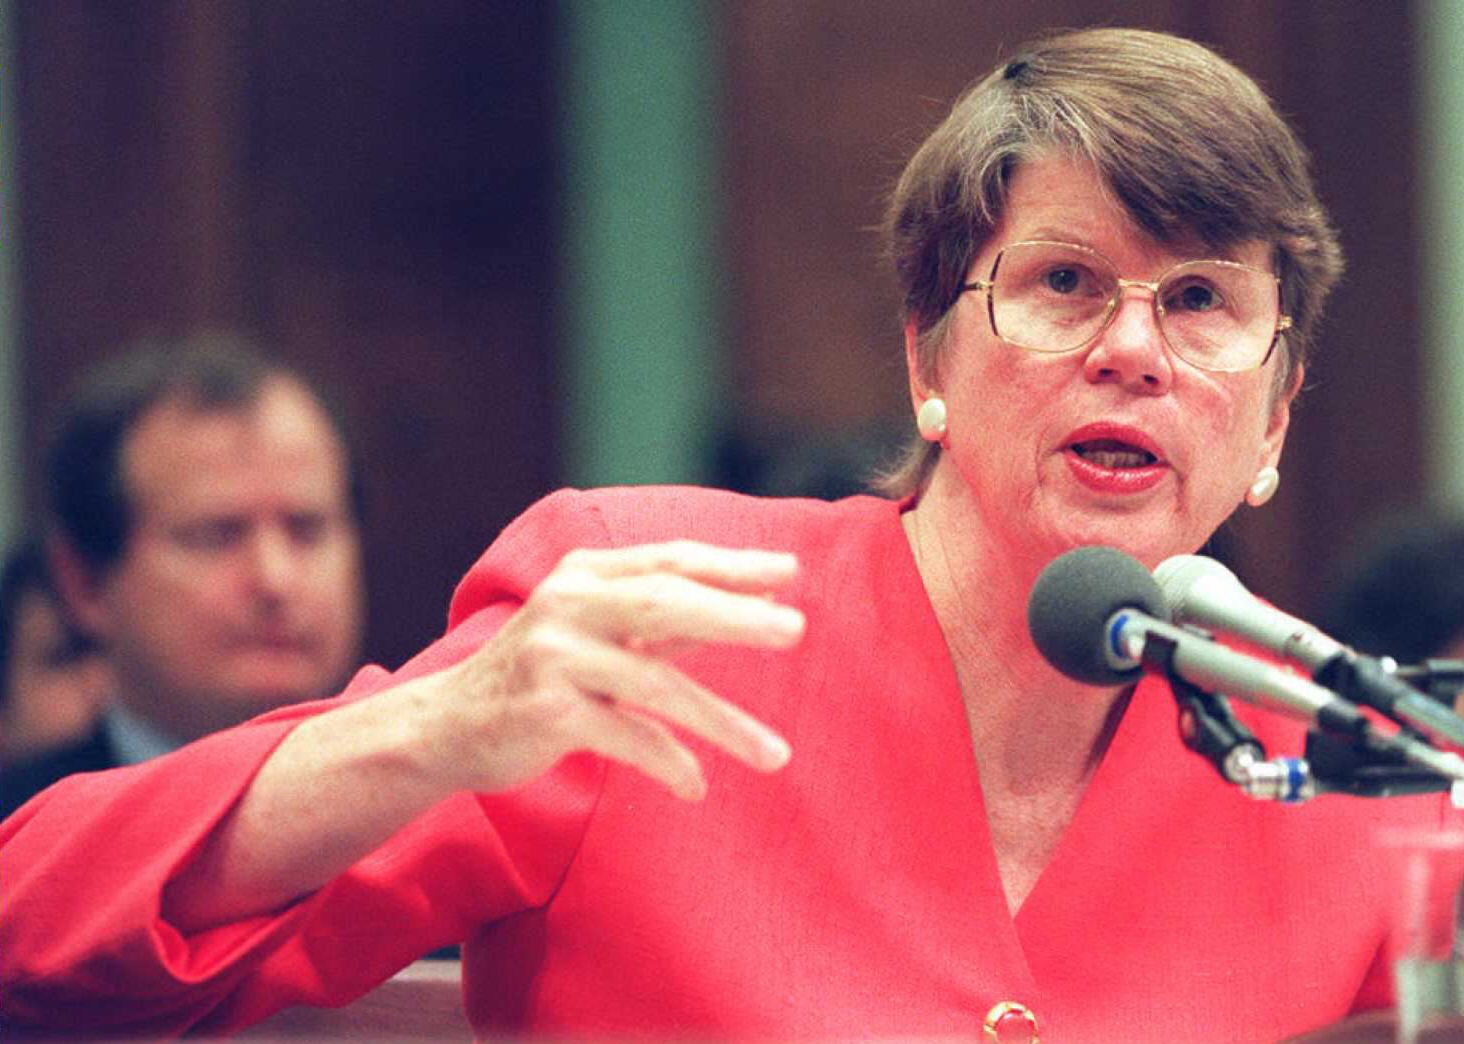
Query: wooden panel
point(370, 190)
point(401, 169)
point(422, 1002)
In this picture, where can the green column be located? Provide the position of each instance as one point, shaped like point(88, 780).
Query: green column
point(644, 343)
point(1440, 25)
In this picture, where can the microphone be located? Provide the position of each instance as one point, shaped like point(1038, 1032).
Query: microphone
point(1095, 611)
point(1072, 602)
point(1094, 614)
point(1202, 592)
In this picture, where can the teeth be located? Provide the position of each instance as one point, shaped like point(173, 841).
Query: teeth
point(1109, 457)
point(1116, 459)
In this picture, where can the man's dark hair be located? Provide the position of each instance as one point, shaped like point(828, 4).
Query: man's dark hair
point(87, 491)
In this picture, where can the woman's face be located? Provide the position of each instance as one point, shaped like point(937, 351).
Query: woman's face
point(1120, 442)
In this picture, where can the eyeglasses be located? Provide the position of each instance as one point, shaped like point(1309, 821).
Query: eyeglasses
point(1058, 297)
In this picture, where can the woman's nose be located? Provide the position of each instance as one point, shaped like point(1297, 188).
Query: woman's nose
point(1131, 349)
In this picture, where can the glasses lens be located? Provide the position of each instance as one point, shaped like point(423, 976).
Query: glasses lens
point(1051, 297)
point(1219, 316)
point(1055, 297)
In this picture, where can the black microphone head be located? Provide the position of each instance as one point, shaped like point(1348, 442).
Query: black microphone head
point(1072, 602)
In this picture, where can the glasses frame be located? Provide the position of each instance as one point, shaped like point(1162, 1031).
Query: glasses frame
point(1283, 321)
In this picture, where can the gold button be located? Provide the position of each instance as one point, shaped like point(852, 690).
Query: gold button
point(1011, 1023)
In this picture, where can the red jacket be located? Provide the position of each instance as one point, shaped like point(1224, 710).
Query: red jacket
point(853, 894)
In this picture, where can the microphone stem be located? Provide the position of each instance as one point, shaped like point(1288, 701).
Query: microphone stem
point(1372, 682)
point(1442, 680)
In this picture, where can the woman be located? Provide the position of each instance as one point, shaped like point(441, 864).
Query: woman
point(1109, 295)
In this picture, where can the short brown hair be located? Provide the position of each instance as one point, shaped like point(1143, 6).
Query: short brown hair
point(1188, 144)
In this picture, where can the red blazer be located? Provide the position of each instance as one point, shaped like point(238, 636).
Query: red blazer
point(853, 894)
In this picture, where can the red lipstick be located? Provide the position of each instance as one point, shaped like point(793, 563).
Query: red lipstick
point(1114, 458)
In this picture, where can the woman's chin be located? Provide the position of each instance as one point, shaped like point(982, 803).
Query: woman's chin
point(1151, 537)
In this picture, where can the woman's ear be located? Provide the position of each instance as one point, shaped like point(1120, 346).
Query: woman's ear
point(920, 389)
point(1280, 420)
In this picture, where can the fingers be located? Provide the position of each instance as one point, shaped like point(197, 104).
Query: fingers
point(674, 593)
point(582, 665)
point(645, 683)
point(663, 608)
point(646, 745)
point(736, 569)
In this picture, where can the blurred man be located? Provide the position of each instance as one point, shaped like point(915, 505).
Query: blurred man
point(206, 534)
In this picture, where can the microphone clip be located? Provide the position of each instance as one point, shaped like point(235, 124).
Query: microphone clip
point(1366, 766)
point(1356, 762)
point(1207, 725)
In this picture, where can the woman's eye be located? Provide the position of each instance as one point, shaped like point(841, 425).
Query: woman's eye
point(1062, 280)
point(1195, 297)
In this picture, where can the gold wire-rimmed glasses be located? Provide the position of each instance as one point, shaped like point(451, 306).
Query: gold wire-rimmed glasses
point(1049, 296)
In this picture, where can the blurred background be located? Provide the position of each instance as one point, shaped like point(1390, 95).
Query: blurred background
point(606, 241)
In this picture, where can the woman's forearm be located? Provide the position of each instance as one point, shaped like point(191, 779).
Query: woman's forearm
point(337, 787)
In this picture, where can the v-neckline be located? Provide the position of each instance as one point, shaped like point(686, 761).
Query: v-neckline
point(1142, 739)
point(1143, 736)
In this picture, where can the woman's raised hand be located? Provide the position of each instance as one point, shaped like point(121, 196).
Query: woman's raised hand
point(585, 664)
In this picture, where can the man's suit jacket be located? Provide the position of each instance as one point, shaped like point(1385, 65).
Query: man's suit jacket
point(21, 781)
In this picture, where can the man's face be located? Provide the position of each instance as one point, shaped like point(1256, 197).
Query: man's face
point(240, 587)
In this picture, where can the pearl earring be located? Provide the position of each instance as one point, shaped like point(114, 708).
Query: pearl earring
point(1268, 480)
point(931, 419)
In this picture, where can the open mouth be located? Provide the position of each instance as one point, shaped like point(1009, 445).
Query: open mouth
point(1110, 453)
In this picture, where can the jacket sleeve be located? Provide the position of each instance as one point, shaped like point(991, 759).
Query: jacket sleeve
point(83, 866)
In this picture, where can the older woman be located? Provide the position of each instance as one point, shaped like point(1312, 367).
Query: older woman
point(1113, 261)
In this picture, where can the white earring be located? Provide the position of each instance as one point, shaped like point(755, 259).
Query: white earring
point(1268, 480)
point(931, 419)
